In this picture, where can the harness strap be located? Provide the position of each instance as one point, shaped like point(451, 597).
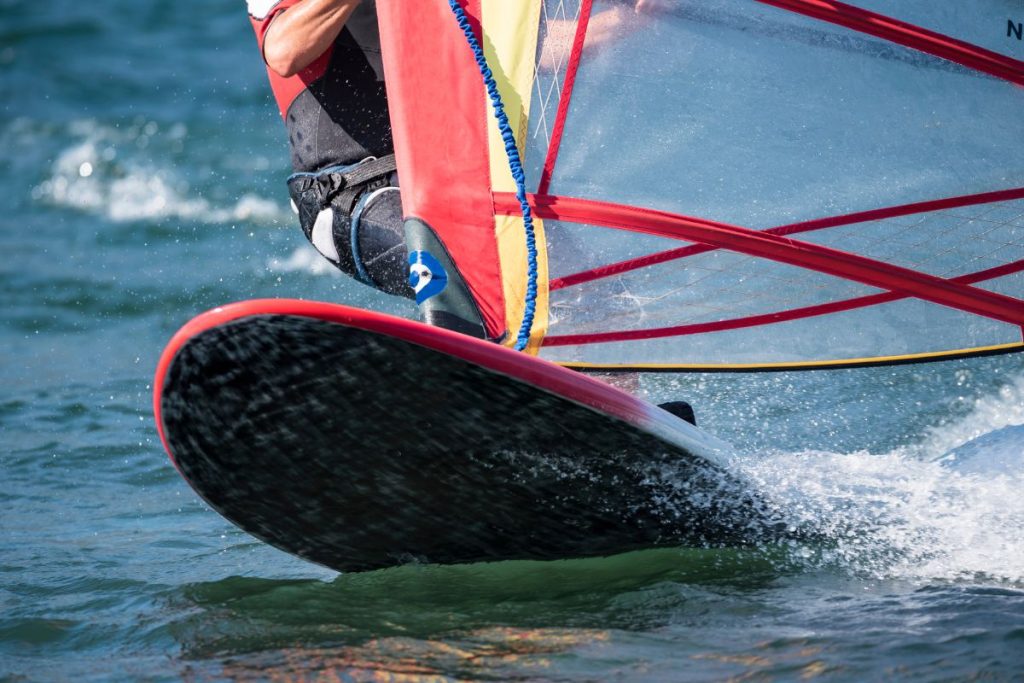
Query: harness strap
point(365, 177)
point(341, 188)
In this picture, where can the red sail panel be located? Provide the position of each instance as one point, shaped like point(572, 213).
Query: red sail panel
point(439, 120)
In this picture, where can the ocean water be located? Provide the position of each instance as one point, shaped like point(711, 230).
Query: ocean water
point(141, 167)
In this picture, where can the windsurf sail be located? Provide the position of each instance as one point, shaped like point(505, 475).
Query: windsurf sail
point(724, 184)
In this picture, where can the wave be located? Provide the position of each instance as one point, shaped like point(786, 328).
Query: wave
point(989, 413)
point(907, 514)
point(114, 173)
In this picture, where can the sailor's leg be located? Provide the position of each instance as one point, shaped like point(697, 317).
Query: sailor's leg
point(377, 238)
point(369, 245)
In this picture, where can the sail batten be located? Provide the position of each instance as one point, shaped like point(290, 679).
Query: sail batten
point(780, 248)
point(501, 204)
point(770, 318)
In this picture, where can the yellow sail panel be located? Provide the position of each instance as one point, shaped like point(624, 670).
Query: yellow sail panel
point(510, 43)
point(509, 231)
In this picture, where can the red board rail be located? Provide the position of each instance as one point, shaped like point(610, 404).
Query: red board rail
point(521, 366)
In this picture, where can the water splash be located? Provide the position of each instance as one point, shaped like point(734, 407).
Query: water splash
point(989, 413)
point(112, 172)
point(908, 514)
point(304, 259)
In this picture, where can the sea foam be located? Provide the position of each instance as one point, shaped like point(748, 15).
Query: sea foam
point(914, 513)
point(116, 173)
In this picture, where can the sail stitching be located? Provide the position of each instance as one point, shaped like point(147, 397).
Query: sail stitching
point(565, 97)
point(546, 49)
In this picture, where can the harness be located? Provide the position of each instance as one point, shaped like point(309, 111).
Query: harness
point(346, 191)
point(341, 186)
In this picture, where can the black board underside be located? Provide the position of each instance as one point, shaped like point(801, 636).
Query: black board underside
point(358, 451)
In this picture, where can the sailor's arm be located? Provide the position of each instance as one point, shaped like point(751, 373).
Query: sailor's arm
point(299, 35)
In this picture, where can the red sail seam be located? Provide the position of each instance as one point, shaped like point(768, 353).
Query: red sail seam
point(766, 318)
point(784, 250)
point(908, 35)
point(564, 98)
point(790, 229)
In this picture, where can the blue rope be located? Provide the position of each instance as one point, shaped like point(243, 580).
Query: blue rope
point(516, 166)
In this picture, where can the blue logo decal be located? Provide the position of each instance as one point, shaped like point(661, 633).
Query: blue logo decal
point(426, 275)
